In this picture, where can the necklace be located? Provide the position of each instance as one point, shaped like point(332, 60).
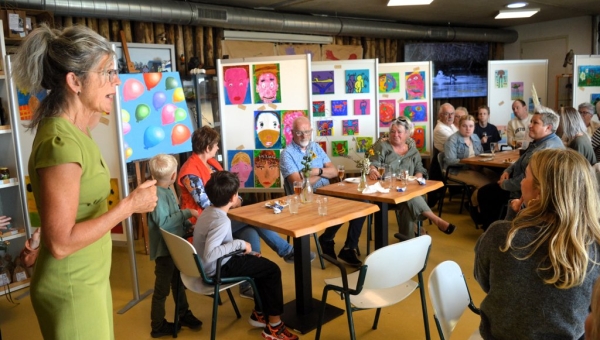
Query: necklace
point(73, 121)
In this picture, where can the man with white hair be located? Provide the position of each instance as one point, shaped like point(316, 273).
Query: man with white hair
point(444, 127)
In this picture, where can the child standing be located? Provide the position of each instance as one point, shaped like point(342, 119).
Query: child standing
point(213, 239)
point(169, 217)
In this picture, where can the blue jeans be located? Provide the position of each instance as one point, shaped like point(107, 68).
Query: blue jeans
point(251, 234)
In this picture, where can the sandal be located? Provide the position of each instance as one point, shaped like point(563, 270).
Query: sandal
point(449, 230)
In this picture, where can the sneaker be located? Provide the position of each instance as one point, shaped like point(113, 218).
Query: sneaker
point(349, 257)
point(257, 320)
point(165, 329)
point(278, 333)
point(246, 291)
point(289, 258)
point(327, 247)
point(189, 320)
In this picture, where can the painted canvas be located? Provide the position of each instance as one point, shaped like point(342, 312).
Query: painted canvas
point(357, 81)
point(266, 82)
point(288, 117)
point(589, 75)
point(415, 85)
point(267, 129)
point(236, 85)
point(318, 108)
point(387, 112)
point(417, 112)
point(516, 90)
point(594, 98)
point(322, 82)
point(419, 137)
point(323, 145)
point(339, 148)
point(362, 107)
point(339, 107)
point(28, 103)
point(241, 164)
point(325, 128)
point(363, 144)
point(155, 115)
point(500, 77)
point(266, 169)
point(389, 82)
point(350, 127)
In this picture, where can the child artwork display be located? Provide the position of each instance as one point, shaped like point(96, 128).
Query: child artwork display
point(155, 115)
point(357, 81)
point(236, 83)
point(339, 107)
point(318, 108)
point(339, 148)
point(267, 130)
point(266, 81)
point(28, 103)
point(325, 128)
point(323, 145)
point(415, 85)
point(500, 79)
point(594, 98)
point(387, 112)
point(516, 90)
point(389, 82)
point(417, 112)
point(266, 169)
point(589, 75)
point(241, 164)
point(288, 117)
point(363, 144)
point(322, 82)
point(362, 107)
point(419, 137)
point(350, 127)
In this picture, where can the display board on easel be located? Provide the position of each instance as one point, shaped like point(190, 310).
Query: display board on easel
point(586, 79)
point(509, 80)
point(258, 99)
point(405, 89)
point(344, 108)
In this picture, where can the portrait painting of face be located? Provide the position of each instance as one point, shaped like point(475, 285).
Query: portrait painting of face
point(240, 163)
point(387, 112)
point(419, 137)
point(267, 129)
point(388, 82)
point(415, 85)
point(416, 112)
point(288, 117)
point(266, 169)
point(236, 83)
point(266, 80)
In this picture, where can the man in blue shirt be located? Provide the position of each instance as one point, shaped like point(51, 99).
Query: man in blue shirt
point(322, 170)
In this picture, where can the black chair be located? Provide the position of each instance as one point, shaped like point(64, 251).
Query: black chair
point(448, 182)
point(506, 147)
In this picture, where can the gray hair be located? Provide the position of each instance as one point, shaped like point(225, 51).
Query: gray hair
point(404, 122)
point(548, 116)
point(461, 108)
point(47, 55)
point(571, 124)
point(587, 106)
point(441, 109)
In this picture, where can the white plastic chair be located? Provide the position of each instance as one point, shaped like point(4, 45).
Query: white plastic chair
point(194, 278)
point(385, 279)
point(449, 295)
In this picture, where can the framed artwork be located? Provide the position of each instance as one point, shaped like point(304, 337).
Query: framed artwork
point(417, 112)
point(236, 85)
point(266, 169)
point(389, 82)
point(387, 112)
point(415, 85)
point(357, 81)
point(350, 127)
point(241, 163)
point(267, 83)
point(318, 108)
point(362, 107)
point(267, 130)
point(322, 82)
point(339, 107)
point(288, 117)
point(325, 128)
point(339, 148)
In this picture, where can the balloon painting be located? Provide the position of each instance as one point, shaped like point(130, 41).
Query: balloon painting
point(155, 116)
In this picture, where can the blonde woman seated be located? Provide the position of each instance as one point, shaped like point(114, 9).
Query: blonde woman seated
point(464, 144)
point(572, 131)
point(539, 269)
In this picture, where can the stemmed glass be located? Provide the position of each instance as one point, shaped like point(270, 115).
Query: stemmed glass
point(341, 174)
point(493, 148)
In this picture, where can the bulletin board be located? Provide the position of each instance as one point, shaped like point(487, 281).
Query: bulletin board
point(586, 80)
point(509, 80)
point(344, 108)
point(259, 98)
point(405, 89)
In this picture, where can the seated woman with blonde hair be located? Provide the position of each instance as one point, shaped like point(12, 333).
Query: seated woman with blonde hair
point(538, 270)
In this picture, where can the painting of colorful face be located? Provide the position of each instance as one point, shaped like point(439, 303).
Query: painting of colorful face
point(387, 112)
point(266, 79)
point(288, 118)
point(417, 112)
point(388, 82)
point(237, 85)
point(419, 137)
point(240, 163)
point(415, 85)
point(268, 129)
point(266, 169)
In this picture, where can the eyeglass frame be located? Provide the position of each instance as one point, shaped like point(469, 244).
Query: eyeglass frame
point(585, 113)
point(110, 73)
point(299, 133)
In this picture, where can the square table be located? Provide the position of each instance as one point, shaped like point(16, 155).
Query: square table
point(349, 190)
point(302, 313)
point(502, 159)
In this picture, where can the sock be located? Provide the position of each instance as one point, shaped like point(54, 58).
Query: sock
point(275, 324)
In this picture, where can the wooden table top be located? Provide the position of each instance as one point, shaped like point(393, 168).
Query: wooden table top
point(349, 190)
point(307, 220)
point(502, 159)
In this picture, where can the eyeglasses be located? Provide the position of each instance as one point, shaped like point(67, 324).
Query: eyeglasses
point(302, 133)
point(112, 74)
point(585, 113)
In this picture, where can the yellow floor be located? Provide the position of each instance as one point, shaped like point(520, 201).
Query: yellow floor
point(402, 321)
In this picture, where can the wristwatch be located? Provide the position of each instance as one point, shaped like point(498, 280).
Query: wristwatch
point(320, 171)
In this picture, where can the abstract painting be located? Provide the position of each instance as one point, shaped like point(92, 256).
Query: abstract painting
point(362, 107)
point(389, 82)
point(324, 127)
point(339, 148)
point(415, 85)
point(318, 108)
point(357, 81)
point(266, 82)
point(322, 82)
point(387, 112)
point(339, 107)
point(363, 144)
point(323, 145)
point(419, 137)
point(417, 112)
point(350, 127)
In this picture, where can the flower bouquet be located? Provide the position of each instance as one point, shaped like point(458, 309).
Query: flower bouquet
point(307, 190)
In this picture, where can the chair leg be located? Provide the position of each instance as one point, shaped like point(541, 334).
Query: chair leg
point(462, 199)
point(369, 234)
point(321, 314)
point(176, 317)
point(424, 306)
point(350, 318)
point(319, 251)
point(213, 326)
point(441, 202)
point(376, 321)
point(235, 307)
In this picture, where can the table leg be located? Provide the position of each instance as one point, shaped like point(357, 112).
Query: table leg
point(381, 226)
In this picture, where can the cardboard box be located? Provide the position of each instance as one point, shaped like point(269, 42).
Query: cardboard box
point(14, 23)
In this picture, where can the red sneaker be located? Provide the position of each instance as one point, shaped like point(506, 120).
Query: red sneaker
point(278, 333)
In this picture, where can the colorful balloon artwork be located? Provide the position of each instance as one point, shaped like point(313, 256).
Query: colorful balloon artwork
point(141, 112)
point(152, 136)
point(178, 95)
point(132, 89)
point(168, 114)
point(171, 83)
point(152, 79)
point(159, 99)
point(180, 134)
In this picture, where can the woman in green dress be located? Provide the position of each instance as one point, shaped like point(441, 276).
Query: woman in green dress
point(70, 290)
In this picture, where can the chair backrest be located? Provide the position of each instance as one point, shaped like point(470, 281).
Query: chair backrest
point(287, 187)
point(504, 147)
point(449, 296)
point(184, 255)
point(397, 263)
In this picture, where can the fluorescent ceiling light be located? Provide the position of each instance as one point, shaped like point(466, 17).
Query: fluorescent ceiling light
point(516, 13)
point(517, 5)
point(409, 2)
point(277, 37)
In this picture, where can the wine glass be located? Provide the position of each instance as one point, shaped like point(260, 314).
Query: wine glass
point(493, 147)
point(381, 170)
point(341, 174)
